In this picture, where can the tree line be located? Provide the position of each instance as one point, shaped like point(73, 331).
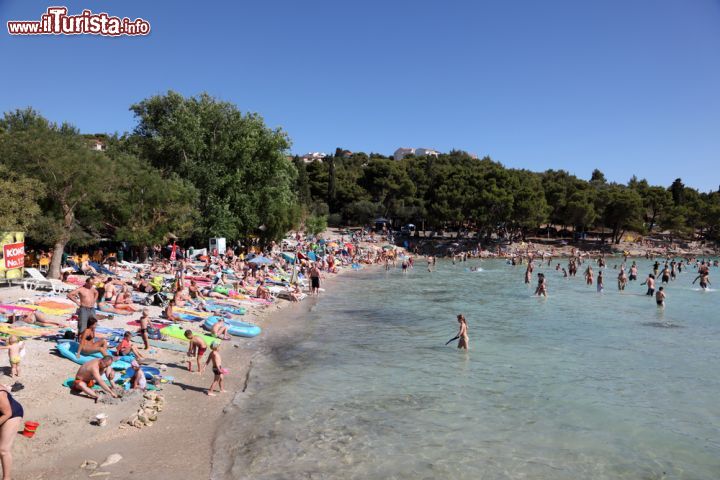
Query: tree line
point(458, 192)
point(197, 167)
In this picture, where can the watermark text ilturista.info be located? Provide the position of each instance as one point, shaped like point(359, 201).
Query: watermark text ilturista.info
point(56, 21)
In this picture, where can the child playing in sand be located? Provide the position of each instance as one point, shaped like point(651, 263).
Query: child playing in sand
point(15, 349)
point(125, 347)
point(214, 357)
point(138, 381)
point(197, 347)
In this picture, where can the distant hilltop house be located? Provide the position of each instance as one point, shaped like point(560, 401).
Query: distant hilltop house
point(313, 157)
point(401, 152)
point(96, 144)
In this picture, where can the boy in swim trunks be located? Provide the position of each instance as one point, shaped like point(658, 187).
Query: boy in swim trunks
point(219, 372)
point(143, 331)
point(197, 349)
point(14, 347)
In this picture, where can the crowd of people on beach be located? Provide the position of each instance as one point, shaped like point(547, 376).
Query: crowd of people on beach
point(175, 287)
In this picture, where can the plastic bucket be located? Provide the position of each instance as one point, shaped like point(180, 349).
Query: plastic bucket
point(30, 428)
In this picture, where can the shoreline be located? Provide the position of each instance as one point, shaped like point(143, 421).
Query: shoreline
point(191, 419)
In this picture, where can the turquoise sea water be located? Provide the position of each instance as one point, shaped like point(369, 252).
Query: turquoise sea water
point(579, 385)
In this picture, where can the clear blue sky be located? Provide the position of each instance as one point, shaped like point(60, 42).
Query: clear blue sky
point(627, 86)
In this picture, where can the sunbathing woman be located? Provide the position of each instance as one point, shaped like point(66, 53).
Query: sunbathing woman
point(89, 343)
point(263, 292)
point(170, 314)
point(124, 301)
point(121, 310)
point(37, 318)
point(181, 298)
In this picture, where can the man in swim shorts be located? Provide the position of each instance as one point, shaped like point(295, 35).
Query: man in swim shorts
point(650, 282)
point(315, 280)
point(85, 297)
point(90, 374)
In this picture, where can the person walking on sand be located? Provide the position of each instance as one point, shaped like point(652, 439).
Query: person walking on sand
point(464, 339)
point(11, 415)
point(86, 298)
point(15, 352)
point(315, 279)
point(217, 368)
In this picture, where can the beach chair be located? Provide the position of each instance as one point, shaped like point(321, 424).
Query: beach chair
point(38, 280)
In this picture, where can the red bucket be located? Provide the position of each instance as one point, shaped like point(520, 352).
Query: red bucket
point(30, 428)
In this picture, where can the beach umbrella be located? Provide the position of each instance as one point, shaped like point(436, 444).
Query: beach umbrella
point(261, 261)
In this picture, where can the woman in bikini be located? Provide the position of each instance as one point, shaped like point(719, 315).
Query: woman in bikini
point(11, 415)
point(89, 343)
point(463, 342)
point(124, 301)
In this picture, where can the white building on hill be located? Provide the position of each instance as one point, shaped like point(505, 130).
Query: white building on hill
point(401, 152)
point(313, 157)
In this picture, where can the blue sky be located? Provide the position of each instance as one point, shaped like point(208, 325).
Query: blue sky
point(627, 86)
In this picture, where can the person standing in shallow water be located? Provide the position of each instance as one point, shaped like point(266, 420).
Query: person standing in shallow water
point(463, 341)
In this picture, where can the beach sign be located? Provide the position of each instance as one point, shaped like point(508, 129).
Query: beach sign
point(12, 254)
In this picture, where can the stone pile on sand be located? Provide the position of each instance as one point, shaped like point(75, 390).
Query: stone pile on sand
point(151, 405)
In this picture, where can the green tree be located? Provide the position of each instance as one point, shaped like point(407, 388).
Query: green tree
point(149, 207)
point(656, 202)
point(623, 211)
point(315, 224)
point(239, 166)
point(75, 178)
point(19, 196)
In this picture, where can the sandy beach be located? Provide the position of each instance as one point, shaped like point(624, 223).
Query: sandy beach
point(178, 445)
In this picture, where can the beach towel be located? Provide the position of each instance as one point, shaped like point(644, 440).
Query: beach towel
point(163, 344)
point(26, 330)
point(136, 323)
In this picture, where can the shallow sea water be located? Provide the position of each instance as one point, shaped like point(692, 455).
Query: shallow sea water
point(579, 385)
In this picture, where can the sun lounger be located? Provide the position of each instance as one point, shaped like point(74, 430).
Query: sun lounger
point(38, 280)
point(100, 269)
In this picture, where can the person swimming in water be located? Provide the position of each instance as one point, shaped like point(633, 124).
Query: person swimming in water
point(704, 278)
point(622, 280)
point(633, 272)
point(660, 297)
point(463, 342)
point(588, 275)
point(600, 282)
point(650, 282)
point(541, 286)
